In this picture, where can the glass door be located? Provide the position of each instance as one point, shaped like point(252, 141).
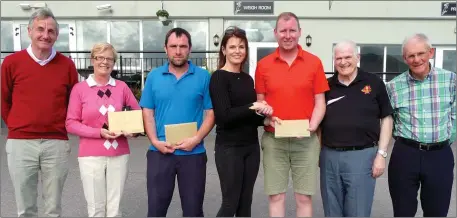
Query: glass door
point(66, 41)
point(446, 58)
point(258, 50)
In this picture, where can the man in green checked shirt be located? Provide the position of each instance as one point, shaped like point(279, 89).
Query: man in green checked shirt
point(424, 103)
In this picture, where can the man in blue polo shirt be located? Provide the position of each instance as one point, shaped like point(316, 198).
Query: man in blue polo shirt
point(176, 92)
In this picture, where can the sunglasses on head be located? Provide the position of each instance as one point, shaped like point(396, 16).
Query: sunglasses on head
point(233, 29)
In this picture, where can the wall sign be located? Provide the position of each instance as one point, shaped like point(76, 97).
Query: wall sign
point(448, 8)
point(254, 7)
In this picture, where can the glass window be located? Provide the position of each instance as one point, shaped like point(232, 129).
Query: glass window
point(88, 33)
point(7, 38)
point(372, 58)
point(125, 36)
point(198, 31)
point(394, 59)
point(63, 39)
point(153, 41)
point(449, 60)
point(256, 30)
point(25, 40)
point(154, 33)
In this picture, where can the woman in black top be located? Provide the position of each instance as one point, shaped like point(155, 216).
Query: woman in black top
point(238, 116)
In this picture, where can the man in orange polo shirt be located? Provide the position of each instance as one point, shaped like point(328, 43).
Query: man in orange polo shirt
point(293, 82)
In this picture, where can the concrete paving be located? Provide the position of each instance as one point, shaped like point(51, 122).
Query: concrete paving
point(134, 203)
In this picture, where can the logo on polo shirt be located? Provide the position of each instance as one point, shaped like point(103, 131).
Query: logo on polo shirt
point(366, 89)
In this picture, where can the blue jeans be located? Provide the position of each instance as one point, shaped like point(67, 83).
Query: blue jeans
point(347, 185)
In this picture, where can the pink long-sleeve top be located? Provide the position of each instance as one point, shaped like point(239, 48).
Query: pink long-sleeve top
point(88, 113)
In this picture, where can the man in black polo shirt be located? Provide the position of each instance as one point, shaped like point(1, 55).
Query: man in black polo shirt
point(356, 131)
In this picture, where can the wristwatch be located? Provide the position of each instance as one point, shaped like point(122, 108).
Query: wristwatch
point(382, 153)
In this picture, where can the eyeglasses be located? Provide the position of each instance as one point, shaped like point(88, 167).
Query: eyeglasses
point(232, 29)
point(101, 59)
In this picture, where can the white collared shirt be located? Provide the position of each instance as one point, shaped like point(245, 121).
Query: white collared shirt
point(41, 62)
point(91, 81)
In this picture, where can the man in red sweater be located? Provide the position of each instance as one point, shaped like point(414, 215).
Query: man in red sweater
point(36, 84)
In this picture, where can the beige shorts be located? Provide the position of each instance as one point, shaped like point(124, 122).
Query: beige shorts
point(282, 155)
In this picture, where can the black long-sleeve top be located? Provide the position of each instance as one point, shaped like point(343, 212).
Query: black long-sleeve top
point(232, 94)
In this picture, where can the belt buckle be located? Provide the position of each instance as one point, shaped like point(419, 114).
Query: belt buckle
point(422, 144)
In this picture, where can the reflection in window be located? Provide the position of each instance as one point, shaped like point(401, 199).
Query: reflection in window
point(372, 58)
point(7, 39)
point(125, 36)
point(62, 43)
point(256, 30)
point(198, 31)
point(63, 40)
point(88, 33)
point(449, 60)
point(154, 38)
point(25, 40)
point(395, 62)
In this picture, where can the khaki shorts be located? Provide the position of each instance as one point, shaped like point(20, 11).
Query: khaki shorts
point(281, 155)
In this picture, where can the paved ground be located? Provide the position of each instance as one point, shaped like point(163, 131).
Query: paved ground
point(134, 203)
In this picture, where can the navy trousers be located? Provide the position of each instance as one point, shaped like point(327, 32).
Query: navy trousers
point(432, 171)
point(347, 184)
point(162, 170)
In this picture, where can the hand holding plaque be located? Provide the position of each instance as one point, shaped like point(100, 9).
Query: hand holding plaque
point(175, 133)
point(126, 122)
point(292, 128)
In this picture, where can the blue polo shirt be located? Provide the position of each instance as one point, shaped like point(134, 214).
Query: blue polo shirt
point(177, 101)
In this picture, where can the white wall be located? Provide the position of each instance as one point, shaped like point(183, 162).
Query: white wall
point(327, 32)
point(309, 9)
point(367, 22)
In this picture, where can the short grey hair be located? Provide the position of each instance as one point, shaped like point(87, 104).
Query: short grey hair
point(42, 13)
point(345, 44)
point(419, 36)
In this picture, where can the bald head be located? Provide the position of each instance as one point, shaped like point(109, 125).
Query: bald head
point(346, 58)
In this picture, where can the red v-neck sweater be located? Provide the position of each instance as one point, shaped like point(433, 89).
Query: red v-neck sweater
point(35, 97)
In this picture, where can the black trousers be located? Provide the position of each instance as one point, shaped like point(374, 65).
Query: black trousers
point(433, 171)
point(162, 169)
point(237, 168)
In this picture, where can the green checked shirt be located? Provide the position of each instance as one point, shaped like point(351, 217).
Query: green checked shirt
point(424, 111)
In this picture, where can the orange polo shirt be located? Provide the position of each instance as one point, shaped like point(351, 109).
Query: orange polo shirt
point(290, 90)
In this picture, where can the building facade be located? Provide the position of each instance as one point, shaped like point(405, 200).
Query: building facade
point(378, 27)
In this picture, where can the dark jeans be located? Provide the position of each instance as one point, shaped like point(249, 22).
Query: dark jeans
point(237, 168)
point(433, 171)
point(161, 172)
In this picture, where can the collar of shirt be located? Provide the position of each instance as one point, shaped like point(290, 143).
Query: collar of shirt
point(300, 53)
point(190, 70)
point(41, 62)
point(412, 79)
point(359, 77)
point(91, 81)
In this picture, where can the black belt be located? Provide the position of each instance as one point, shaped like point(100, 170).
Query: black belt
point(423, 146)
point(353, 148)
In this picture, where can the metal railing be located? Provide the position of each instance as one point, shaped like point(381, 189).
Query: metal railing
point(132, 67)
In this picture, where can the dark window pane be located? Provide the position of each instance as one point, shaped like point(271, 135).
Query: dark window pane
point(449, 60)
point(395, 62)
point(262, 52)
point(371, 58)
